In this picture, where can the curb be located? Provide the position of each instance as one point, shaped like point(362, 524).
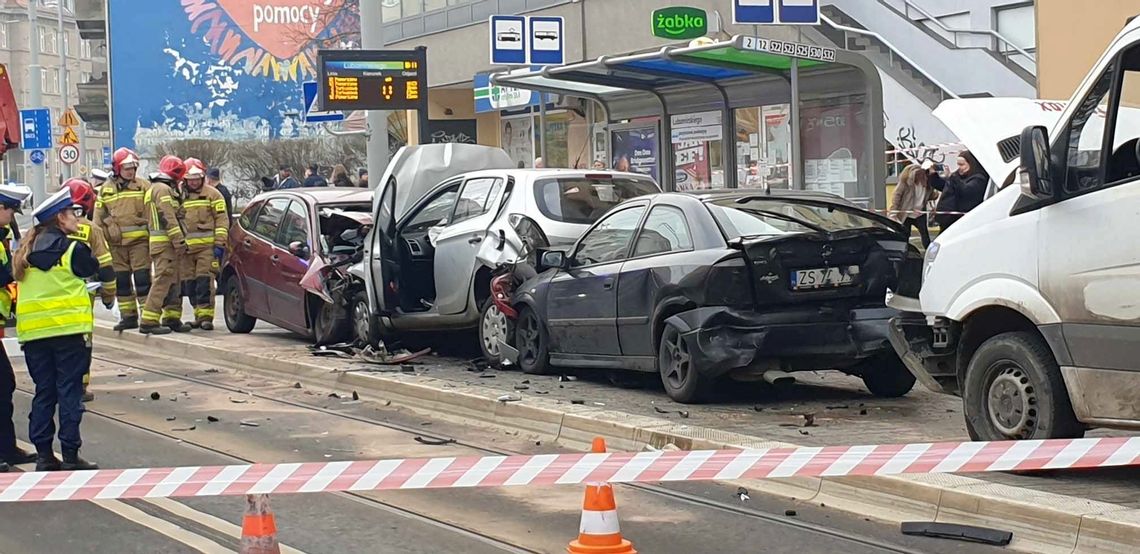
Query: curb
point(1041, 522)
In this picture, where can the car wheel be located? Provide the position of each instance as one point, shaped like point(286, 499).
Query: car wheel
point(233, 309)
point(533, 343)
point(683, 383)
point(886, 376)
point(1014, 390)
point(328, 328)
point(364, 329)
point(493, 327)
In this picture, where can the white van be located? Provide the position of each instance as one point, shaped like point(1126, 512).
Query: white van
point(1029, 307)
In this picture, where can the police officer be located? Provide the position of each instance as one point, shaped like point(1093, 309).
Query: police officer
point(207, 228)
point(83, 195)
point(98, 177)
point(53, 317)
point(120, 210)
point(12, 197)
point(167, 244)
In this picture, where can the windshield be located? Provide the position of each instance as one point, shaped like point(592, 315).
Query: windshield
point(776, 216)
point(585, 199)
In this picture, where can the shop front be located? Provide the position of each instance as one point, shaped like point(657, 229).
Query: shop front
point(747, 112)
point(559, 132)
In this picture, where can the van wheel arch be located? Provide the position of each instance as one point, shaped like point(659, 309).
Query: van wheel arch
point(984, 324)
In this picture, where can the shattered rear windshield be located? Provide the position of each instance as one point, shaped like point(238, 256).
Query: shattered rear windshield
point(776, 216)
point(584, 199)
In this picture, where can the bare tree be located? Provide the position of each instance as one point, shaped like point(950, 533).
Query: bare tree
point(213, 153)
point(335, 28)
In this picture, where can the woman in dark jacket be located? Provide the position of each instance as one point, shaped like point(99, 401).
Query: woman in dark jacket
point(962, 191)
point(340, 177)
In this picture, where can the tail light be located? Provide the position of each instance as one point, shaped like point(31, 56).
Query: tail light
point(501, 295)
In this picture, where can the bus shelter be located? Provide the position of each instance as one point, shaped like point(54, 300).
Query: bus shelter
point(748, 112)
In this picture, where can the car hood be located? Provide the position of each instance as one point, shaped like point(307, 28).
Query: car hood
point(983, 124)
point(416, 170)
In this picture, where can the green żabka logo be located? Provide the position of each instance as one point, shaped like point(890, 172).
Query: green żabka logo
point(680, 23)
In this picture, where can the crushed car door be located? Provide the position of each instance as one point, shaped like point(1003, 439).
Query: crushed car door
point(582, 300)
point(457, 243)
point(381, 256)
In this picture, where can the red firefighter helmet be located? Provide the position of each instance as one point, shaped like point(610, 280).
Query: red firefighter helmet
point(195, 169)
point(123, 156)
point(172, 168)
point(81, 194)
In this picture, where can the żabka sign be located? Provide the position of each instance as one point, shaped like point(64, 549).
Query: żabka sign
point(680, 23)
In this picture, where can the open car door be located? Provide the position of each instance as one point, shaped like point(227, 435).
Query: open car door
point(414, 172)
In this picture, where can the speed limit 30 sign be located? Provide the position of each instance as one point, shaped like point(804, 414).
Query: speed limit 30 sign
point(69, 154)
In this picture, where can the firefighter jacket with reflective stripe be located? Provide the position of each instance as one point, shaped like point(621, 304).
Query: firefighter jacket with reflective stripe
point(93, 237)
point(163, 225)
point(205, 219)
point(120, 210)
point(53, 303)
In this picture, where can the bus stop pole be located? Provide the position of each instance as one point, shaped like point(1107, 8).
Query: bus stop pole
point(796, 170)
point(728, 146)
point(542, 128)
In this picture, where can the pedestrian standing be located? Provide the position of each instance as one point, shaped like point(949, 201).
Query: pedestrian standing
point(962, 191)
point(53, 317)
point(340, 177)
point(909, 203)
point(83, 195)
point(12, 197)
point(214, 179)
point(167, 244)
point(206, 223)
point(313, 177)
point(120, 211)
point(362, 181)
point(285, 179)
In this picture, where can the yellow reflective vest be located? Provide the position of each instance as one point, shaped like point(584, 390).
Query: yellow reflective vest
point(53, 303)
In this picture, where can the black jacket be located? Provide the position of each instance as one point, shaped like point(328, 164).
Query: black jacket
point(343, 181)
point(229, 198)
point(315, 181)
point(52, 244)
point(959, 194)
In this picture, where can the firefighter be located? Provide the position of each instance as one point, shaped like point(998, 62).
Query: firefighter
point(167, 245)
point(120, 210)
point(12, 198)
point(84, 196)
point(53, 315)
point(207, 228)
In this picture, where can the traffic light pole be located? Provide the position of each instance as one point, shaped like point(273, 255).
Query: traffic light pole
point(372, 38)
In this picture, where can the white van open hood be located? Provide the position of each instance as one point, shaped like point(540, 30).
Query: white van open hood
point(981, 123)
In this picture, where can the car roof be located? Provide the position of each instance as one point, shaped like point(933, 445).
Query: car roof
point(327, 195)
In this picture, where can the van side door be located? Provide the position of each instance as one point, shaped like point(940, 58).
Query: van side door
point(1089, 260)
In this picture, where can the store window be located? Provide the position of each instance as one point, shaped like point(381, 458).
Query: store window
point(698, 142)
point(833, 133)
point(764, 146)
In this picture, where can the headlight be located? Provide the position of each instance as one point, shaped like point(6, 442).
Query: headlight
point(928, 261)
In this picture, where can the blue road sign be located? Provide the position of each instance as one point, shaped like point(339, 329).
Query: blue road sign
point(509, 40)
point(106, 156)
point(547, 43)
point(753, 12)
point(799, 12)
point(311, 114)
point(37, 157)
point(35, 129)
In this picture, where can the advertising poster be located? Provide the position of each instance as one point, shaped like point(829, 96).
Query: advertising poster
point(218, 69)
point(693, 135)
point(518, 139)
point(775, 162)
point(832, 139)
point(636, 150)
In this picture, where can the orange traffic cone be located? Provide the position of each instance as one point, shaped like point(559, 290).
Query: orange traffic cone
point(258, 528)
point(600, 532)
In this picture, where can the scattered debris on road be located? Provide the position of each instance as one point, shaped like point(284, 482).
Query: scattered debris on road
point(683, 413)
point(509, 398)
point(955, 531)
point(566, 378)
point(742, 494)
point(190, 428)
point(434, 442)
point(212, 419)
point(297, 385)
point(171, 418)
point(521, 387)
point(334, 395)
point(809, 419)
point(213, 370)
point(355, 395)
point(790, 513)
point(578, 402)
point(248, 423)
point(155, 395)
point(239, 400)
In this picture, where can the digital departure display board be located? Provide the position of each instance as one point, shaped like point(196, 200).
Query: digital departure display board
point(373, 80)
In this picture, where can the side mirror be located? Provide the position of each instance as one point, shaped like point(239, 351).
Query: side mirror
point(300, 249)
point(1036, 172)
point(549, 259)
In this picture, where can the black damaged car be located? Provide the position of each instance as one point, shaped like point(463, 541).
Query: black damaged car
point(745, 284)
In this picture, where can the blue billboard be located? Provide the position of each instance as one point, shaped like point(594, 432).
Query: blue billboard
point(217, 69)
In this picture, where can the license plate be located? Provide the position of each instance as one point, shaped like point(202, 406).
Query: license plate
point(827, 277)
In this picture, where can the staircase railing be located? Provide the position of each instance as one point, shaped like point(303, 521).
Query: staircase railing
point(892, 53)
point(1000, 38)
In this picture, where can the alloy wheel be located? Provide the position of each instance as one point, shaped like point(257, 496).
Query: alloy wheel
point(528, 338)
point(676, 359)
point(494, 326)
point(360, 321)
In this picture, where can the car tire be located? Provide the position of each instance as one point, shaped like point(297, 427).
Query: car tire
point(365, 328)
point(233, 308)
point(327, 327)
point(886, 376)
point(683, 383)
point(1014, 390)
point(533, 343)
point(493, 326)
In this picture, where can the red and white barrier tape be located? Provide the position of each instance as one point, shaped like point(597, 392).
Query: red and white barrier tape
point(571, 469)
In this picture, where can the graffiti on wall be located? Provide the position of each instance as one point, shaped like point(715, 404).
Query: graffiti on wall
point(221, 69)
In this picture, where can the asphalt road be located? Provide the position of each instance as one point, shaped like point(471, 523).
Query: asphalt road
point(126, 428)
